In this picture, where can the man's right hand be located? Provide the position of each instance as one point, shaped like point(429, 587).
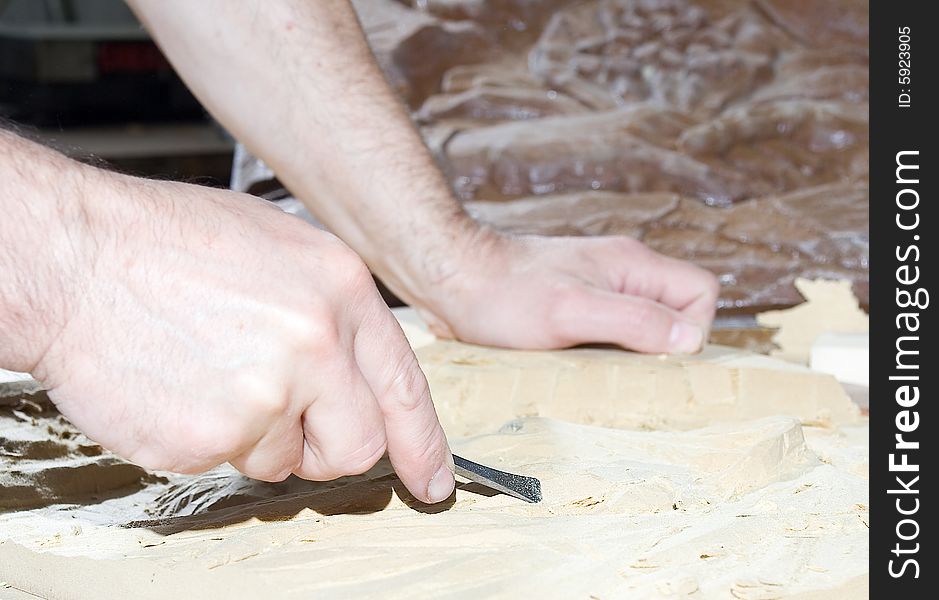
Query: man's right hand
point(204, 326)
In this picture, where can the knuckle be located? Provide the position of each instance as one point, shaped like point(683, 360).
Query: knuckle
point(278, 476)
point(258, 396)
point(407, 385)
point(364, 457)
point(205, 441)
point(150, 459)
point(352, 272)
point(315, 328)
point(621, 246)
point(274, 473)
point(564, 297)
point(212, 444)
point(187, 467)
point(326, 463)
point(628, 245)
point(268, 406)
point(313, 467)
point(291, 463)
point(175, 460)
point(712, 285)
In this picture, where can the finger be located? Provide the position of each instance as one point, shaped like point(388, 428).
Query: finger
point(689, 289)
point(417, 445)
point(343, 427)
point(679, 285)
point(588, 314)
point(276, 455)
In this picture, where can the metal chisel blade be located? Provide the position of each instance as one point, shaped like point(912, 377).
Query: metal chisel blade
point(519, 486)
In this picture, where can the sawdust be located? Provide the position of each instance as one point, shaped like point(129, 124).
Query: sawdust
point(624, 513)
point(651, 499)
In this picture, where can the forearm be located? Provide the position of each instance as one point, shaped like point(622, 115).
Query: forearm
point(296, 82)
point(43, 223)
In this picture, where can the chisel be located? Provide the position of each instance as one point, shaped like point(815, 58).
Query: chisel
point(519, 486)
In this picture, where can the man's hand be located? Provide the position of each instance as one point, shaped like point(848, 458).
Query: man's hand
point(198, 326)
point(541, 292)
point(341, 141)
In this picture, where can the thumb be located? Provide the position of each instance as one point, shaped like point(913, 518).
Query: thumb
point(595, 315)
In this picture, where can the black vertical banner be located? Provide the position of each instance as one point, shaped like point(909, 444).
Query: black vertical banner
point(904, 56)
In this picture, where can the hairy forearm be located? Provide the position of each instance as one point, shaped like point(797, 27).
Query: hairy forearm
point(296, 82)
point(43, 223)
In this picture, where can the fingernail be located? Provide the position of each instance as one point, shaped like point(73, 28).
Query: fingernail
point(441, 485)
point(685, 338)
